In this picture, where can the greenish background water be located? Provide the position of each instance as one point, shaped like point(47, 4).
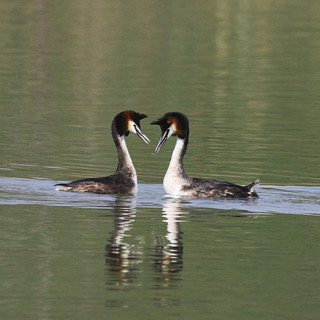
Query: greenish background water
point(247, 74)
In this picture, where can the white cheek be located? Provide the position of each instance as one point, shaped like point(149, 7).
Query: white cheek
point(131, 127)
point(172, 130)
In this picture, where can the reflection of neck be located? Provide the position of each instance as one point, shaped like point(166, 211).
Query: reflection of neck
point(119, 254)
point(122, 224)
point(125, 163)
point(171, 214)
point(173, 229)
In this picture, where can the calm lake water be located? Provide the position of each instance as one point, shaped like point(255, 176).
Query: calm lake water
point(246, 73)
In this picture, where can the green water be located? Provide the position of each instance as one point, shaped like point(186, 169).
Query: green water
point(246, 73)
point(55, 265)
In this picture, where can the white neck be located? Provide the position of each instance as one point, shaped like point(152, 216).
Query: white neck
point(125, 161)
point(175, 175)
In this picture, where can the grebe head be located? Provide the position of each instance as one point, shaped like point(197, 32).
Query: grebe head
point(172, 124)
point(129, 121)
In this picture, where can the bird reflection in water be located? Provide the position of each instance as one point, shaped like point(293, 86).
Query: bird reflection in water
point(124, 253)
point(121, 256)
point(168, 257)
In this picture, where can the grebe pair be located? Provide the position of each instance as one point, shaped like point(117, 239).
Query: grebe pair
point(175, 182)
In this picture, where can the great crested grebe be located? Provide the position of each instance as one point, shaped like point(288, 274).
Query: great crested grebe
point(176, 182)
point(124, 180)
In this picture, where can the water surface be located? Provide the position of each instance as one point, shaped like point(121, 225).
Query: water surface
point(78, 255)
point(272, 199)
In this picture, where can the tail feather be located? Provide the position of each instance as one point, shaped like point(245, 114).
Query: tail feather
point(250, 187)
point(253, 184)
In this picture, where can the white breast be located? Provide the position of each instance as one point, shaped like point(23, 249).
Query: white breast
point(172, 185)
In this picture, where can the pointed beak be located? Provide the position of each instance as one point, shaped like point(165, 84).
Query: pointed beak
point(141, 135)
point(162, 140)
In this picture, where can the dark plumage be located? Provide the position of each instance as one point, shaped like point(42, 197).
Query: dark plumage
point(220, 189)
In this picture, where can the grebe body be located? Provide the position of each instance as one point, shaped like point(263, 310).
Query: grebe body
point(176, 182)
point(124, 180)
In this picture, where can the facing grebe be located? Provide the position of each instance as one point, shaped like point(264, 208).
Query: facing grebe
point(124, 180)
point(176, 182)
